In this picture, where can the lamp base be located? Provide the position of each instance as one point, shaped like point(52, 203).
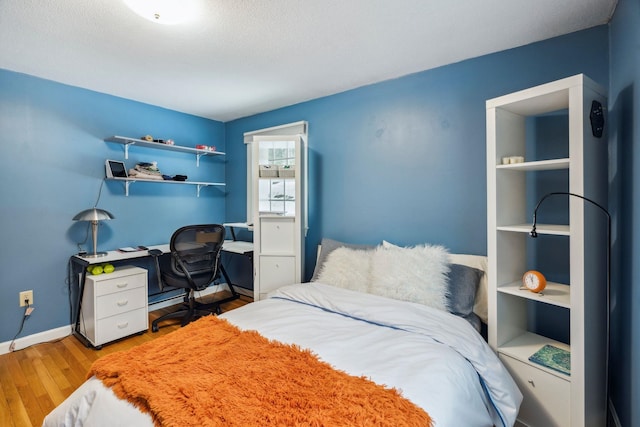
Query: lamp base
point(94, 255)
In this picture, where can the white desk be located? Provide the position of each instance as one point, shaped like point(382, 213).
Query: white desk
point(113, 256)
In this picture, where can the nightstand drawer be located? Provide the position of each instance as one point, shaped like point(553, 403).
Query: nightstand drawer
point(276, 271)
point(120, 302)
point(122, 325)
point(546, 397)
point(277, 235)
point(119, 281)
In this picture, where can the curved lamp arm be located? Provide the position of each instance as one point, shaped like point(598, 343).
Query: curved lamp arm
point(533, 232)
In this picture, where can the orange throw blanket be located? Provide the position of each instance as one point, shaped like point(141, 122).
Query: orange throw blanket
point(210, 373)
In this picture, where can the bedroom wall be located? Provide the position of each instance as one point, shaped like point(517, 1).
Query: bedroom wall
point(404, 160)
point(52, 158)
point(624, 204)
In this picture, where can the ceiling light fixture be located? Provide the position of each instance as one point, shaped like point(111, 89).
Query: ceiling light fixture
point(168, 12)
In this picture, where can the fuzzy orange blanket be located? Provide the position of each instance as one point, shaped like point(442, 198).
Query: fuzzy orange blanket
point(210, 373)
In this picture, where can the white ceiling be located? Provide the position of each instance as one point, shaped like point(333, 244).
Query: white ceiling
point(242, 57)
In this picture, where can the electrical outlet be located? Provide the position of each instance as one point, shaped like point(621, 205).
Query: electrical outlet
point(26, 296)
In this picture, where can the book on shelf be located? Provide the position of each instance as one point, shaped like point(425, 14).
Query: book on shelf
point(554, 358)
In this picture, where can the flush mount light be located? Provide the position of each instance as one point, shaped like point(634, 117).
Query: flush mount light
point(168, 12)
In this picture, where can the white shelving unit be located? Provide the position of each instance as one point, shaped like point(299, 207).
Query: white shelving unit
point(126, 142)
point(517, 317)
point(279, 216)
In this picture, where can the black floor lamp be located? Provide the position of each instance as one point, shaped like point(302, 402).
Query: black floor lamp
point(534, 234)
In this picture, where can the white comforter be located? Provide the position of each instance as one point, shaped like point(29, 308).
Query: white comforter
point(435, 359)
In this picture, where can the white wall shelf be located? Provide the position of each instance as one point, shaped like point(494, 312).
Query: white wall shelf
point(126, 142)
point(199, 185)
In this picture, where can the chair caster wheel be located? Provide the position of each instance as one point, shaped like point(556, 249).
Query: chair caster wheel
point(218, 310)
point(154, 328)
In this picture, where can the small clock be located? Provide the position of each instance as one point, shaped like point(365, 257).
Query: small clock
point(534, 281)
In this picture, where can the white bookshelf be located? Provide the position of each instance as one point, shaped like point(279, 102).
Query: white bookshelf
point(279, 211)
point(551, 398)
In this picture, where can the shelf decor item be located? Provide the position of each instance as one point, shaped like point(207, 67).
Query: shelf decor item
point(534, 281)
point(94, 215)
point(554, 358)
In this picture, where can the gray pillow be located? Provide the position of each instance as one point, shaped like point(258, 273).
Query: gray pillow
point(463, 282)
point(328, 246)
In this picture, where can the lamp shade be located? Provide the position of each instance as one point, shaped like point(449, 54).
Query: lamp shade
point(93, 214)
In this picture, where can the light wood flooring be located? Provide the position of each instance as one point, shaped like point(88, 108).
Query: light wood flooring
point(35, 380)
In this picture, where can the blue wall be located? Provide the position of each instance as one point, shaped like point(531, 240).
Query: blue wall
point(52, 157)
point(405, 160)
point(624, 203)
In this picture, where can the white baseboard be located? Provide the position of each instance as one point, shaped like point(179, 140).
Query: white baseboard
point(40, 337)
point(64, 331)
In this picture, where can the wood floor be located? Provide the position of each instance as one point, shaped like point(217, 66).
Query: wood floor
point(35, 380)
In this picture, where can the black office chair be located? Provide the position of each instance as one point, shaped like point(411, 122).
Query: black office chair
point(194, 265)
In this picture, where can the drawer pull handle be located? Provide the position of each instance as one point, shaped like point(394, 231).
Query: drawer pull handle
point(531, 382)
point(122, 285)
point(123, 303)
point(123, 325)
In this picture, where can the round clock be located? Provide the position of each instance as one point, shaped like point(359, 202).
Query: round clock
point(534, 281)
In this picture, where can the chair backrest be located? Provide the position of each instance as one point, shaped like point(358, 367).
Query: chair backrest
point(195, 251)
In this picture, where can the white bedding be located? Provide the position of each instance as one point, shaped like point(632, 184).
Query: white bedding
point(437, 360)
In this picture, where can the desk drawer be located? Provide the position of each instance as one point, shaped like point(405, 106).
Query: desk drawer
point(119, 281)
point(122, 325)
point(120, 302)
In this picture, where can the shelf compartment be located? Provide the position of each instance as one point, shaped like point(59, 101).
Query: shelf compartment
point(541, 165)
point(199, 185)
point(126, 142)
point(525, 345)
point(558, 294)
point(552, 229)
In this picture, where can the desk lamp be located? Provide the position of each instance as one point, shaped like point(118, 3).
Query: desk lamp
point(534, 234)
point(94, 215)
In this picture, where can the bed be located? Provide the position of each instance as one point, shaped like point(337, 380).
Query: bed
point(433, 358)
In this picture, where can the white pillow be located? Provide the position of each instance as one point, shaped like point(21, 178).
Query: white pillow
point(416, 274)
point(347, 268)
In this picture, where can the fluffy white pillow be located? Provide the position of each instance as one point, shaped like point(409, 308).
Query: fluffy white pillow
point(417, 274)
point(347, 268)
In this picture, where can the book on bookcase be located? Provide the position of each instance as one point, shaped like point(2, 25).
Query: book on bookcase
point(554, 358)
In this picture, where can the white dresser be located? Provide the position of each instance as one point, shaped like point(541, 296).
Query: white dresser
point(114, 305)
